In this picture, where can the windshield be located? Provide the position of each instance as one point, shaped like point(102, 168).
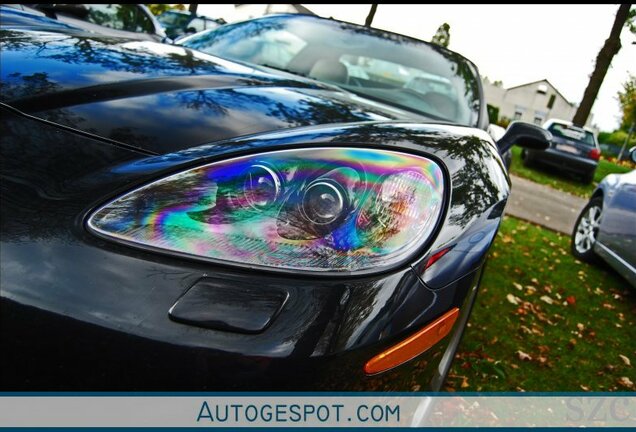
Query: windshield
point(572, 133)
point(173, 19)
point(384, 66)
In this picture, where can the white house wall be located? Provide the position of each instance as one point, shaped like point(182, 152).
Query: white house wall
point(529, 104)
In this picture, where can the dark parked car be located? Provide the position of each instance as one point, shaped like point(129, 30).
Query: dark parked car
point(124, 20)
point(179, 23)
point(606, 227)
point(573, 149)
point(173, 220)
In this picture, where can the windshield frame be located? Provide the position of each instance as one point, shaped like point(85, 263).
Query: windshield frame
point(475, 105)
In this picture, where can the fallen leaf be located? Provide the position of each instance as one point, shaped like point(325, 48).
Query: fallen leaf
point(584, 388)
point(625, 359)
point(580, 326)
point(525, 329)
point(571, 300)
point(464, 383)
point(546, 299)
point(512, 299)
point(523, 356)
point(416, 388)
point(537, 330)
point(518, 286)
point(625, 382)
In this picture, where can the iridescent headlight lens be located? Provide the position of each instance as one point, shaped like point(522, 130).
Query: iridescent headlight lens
point(321, 209)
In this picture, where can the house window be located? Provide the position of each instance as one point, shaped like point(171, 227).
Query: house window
point(551, 101)
point(539, 117)
point(519, 110)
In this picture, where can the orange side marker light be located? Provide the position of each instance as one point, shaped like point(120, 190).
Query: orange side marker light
point(414, 345)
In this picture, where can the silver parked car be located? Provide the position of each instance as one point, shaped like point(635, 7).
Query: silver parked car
point(606, 227)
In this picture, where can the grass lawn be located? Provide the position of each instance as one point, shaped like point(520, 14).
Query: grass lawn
point(553, 178)
point(543, 321)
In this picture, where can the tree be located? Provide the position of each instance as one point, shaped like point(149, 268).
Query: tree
point(369, 20)
point(611, 47)
point(159, 8)
point(627, 99)
point(193, 8)
point(442, 35)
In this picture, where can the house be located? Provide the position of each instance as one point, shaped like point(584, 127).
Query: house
point(534, 102)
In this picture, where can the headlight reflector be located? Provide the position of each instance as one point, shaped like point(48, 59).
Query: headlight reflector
point(317, 209)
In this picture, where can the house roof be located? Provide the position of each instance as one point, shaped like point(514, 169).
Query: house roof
point(543, 80)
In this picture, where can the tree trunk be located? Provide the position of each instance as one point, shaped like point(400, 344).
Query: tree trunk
point(369, 19)
point(629, 135)
point(605, 55)
point(193, 8)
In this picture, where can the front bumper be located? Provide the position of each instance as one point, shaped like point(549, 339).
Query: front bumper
point(115, 333)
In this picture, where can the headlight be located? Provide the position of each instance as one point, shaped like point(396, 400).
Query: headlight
point(319, 209)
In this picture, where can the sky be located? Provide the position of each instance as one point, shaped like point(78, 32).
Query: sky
point(515, 44)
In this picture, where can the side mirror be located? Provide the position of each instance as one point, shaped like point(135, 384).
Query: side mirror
point(632, 154)
point(526, 135)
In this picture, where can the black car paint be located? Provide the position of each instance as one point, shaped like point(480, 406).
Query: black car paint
point(577, 162)
point(79, 312)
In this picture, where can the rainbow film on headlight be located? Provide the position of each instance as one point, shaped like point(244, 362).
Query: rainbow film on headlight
point(321, 209)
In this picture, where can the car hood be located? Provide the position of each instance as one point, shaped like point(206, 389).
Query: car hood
point(163, 98)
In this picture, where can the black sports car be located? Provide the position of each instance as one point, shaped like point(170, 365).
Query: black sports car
point(174, 220)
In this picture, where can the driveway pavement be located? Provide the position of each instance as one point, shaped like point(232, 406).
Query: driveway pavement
point(543, 205)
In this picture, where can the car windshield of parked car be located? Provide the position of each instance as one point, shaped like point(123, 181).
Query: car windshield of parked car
point(572, 133)
point(379, 65)
point(173, 19)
